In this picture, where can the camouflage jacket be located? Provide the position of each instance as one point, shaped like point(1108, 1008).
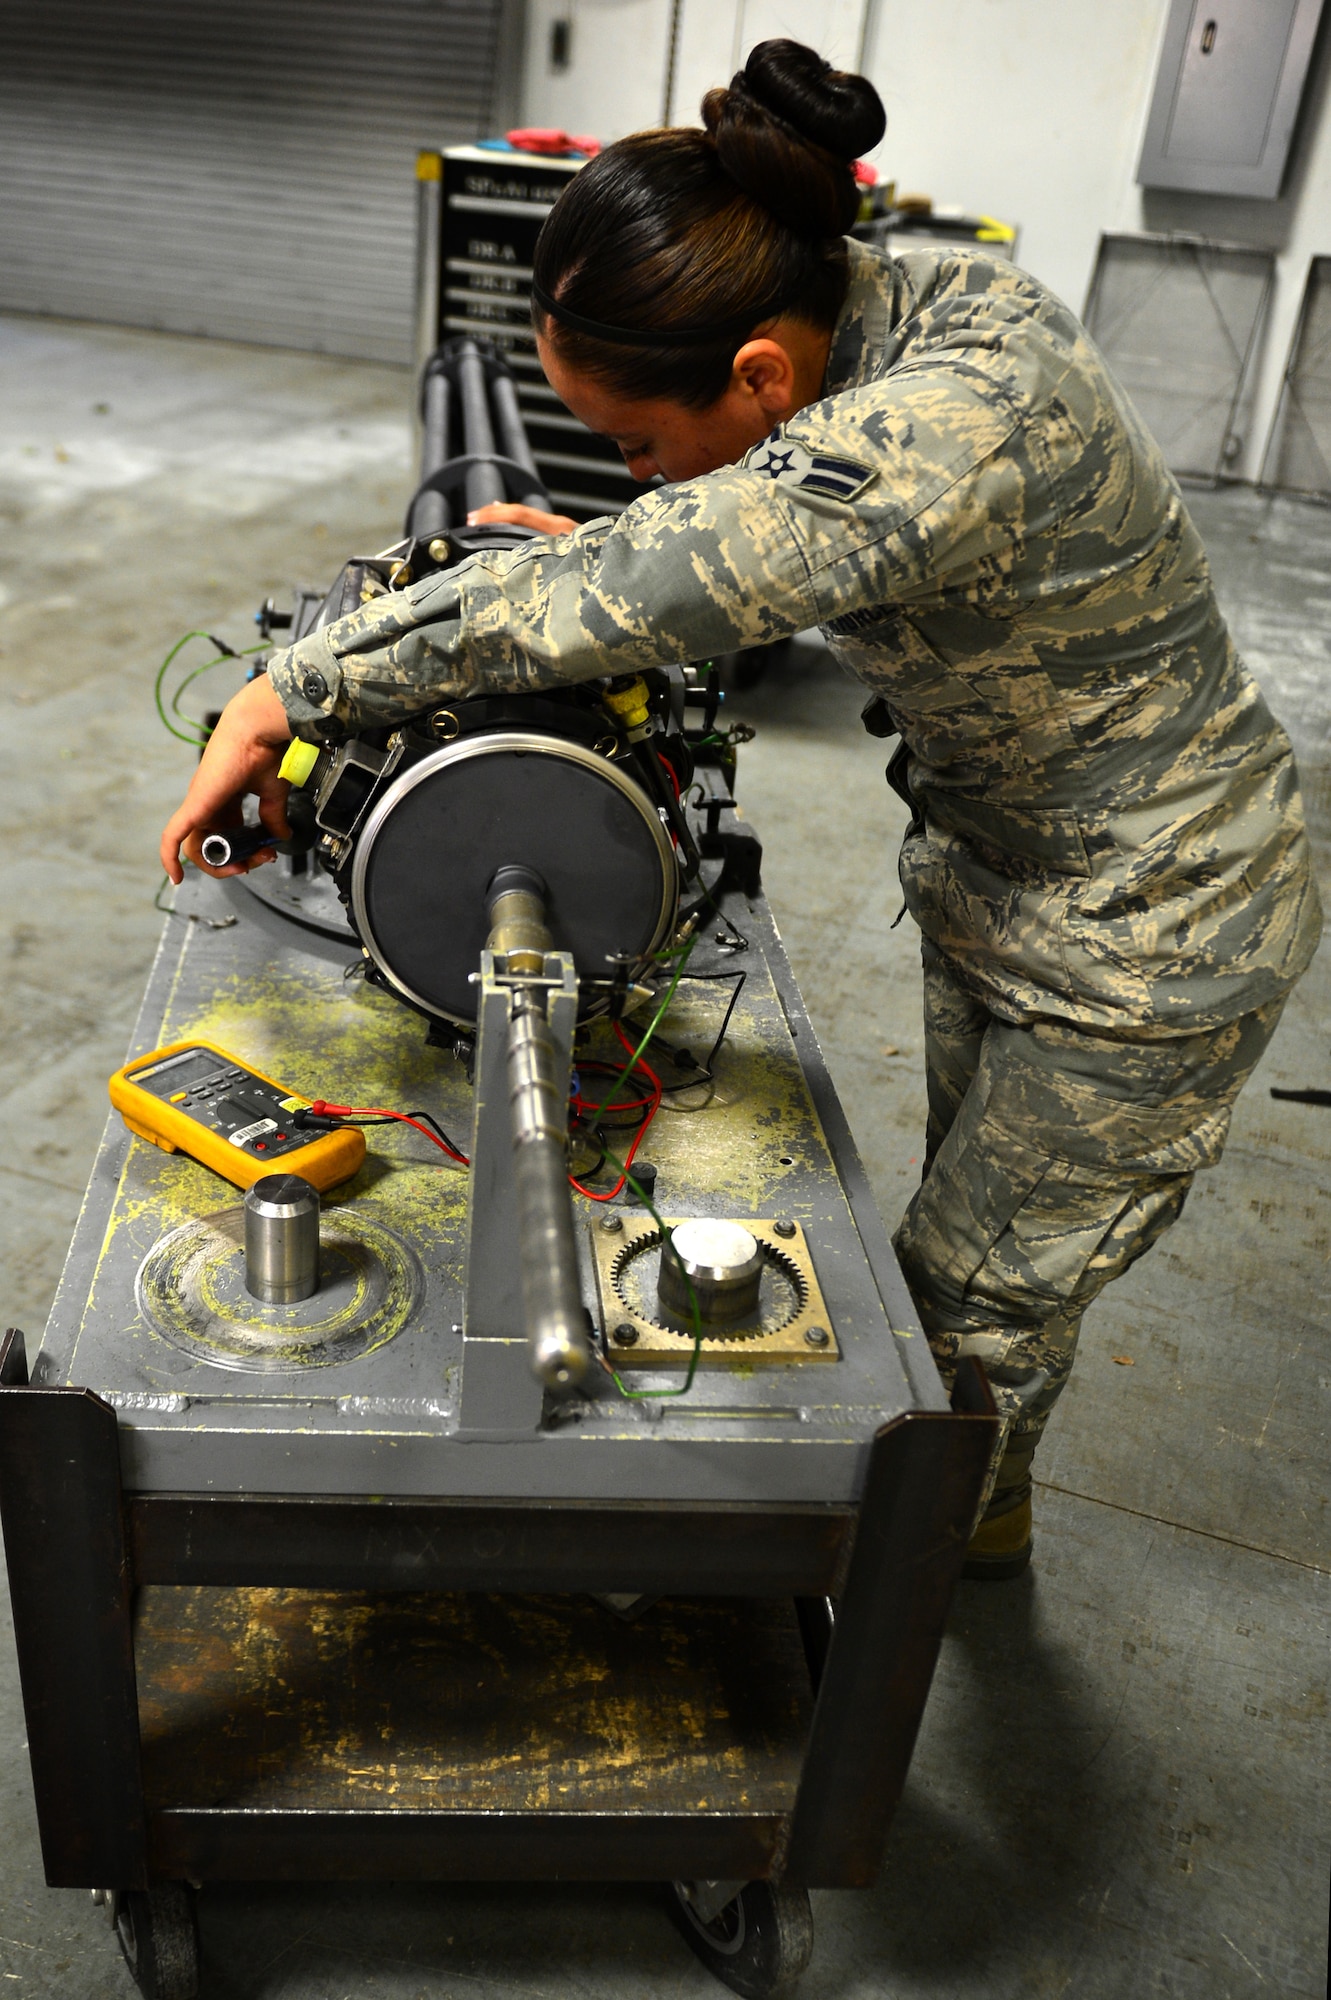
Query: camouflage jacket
point(1109, 831)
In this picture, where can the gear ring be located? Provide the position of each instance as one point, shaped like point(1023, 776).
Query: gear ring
point(791, 1280)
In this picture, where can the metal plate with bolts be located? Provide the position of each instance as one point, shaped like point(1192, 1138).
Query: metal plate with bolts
point(792, 1322)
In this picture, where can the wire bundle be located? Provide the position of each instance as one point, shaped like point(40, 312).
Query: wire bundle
point(648, 1106)
point(194, 732)
point(321, 1112)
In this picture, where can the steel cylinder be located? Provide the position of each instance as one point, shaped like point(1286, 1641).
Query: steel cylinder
point(282, 1239)
point(717, 1264)
point(515, 905)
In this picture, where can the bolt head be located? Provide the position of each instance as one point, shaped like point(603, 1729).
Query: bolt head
point(816, 1336)
point(626, 1334)
point(439, 549)
point(612, 1224)
point(783, 1229)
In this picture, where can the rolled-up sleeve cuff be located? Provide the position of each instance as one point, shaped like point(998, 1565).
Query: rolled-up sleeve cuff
point(307, 678)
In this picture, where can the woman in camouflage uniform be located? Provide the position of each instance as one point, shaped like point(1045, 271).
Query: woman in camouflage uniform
point(924, 456)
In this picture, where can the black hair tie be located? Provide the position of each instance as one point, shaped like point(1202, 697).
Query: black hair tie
point(664, 336)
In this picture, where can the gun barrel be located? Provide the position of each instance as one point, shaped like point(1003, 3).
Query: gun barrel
point(513, 433)
point(484, 482)
point(431, 513)
point(474, 444)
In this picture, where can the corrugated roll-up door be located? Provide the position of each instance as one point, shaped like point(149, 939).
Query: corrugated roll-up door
point(244, 169)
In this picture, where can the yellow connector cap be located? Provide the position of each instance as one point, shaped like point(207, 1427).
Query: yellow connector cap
point(299, 761)
point(628, 703)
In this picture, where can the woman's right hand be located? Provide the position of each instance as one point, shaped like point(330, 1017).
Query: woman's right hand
point(242, 756)
point(521, 517)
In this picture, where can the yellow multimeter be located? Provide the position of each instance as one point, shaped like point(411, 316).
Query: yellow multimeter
point(192, 1097)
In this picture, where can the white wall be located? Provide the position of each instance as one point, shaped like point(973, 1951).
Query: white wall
point(615, 81)
point(716, 36)
point(1031, 110)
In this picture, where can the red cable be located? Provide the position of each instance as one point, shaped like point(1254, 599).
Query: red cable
point(669, 770)
point(325, 1110)
point(638, 1062)
point(641, 1132)
point(321, 1108)
point(581, 1103)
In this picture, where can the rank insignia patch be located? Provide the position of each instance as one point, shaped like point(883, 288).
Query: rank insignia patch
point(822, 472)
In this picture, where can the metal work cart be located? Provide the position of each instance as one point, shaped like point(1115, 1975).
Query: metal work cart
point(320, 1619)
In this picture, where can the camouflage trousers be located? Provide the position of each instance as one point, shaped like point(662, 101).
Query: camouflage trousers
point(1054, 1157)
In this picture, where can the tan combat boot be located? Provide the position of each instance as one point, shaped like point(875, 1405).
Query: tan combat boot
point(1001, 1545)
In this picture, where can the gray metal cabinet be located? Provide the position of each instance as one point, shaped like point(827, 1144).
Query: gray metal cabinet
point(1227, 95)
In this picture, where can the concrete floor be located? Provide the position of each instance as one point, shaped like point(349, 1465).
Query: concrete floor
point(1120, 1786)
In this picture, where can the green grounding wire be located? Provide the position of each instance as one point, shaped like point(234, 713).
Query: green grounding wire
point(682, 953)
point(199, 737)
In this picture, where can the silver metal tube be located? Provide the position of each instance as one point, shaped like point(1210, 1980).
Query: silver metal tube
point(282, 1239)
point(515, 905)
point(236, 844)
point(560, 1351)
point(484, 482)
point(517, 930)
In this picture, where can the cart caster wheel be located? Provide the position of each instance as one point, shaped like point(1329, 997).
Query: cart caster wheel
point(160, 1939)
point(759, 1944)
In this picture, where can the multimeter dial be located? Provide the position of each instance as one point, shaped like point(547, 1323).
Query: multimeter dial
point(250, 1114)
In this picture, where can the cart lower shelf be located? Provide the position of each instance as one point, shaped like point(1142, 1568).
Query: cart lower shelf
point(306, 1733)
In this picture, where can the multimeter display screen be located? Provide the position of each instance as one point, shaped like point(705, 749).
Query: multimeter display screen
point(240, 1107)
point(180, 1072)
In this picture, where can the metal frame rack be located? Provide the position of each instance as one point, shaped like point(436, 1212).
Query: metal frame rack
point(1180, 319)
point(83, 1547)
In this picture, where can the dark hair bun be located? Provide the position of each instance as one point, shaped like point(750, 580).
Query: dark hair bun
point(840, 112)
point(787, 130)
